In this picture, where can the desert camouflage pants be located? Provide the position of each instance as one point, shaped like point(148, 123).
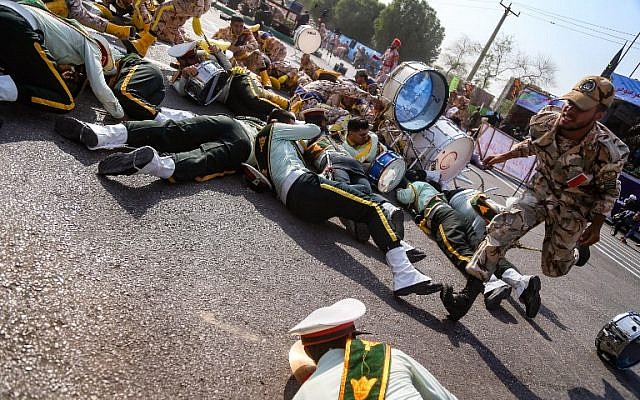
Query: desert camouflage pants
point(253, 61)
point(562, 231)
point(171, 15)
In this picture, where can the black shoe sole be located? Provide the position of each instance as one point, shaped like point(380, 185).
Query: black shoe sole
point(532, 291)
point(75, 130)
point(415, 256)
point(422, 288)
point(492, 301)
point(126, 163)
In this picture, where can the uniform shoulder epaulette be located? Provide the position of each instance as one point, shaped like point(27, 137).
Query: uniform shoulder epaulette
point(616, 147)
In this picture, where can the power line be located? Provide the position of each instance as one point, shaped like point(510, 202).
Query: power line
point(579, 31)
point(557, 15)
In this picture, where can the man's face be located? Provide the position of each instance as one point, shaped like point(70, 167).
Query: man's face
point(358, 137)
point(237, 27)
point(573, 118)
point(361, 80)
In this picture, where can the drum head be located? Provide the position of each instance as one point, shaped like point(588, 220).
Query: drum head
point(392, 175)
point(421, 100)
point(454, 157)
point(307, 39)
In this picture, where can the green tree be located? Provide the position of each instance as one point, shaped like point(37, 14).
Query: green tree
point(416, 24)
point(354, 17)
point(316, 7)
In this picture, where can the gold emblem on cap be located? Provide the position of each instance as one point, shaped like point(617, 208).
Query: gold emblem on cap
point(588, 86)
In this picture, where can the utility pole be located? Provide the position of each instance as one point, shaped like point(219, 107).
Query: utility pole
point(483, 53)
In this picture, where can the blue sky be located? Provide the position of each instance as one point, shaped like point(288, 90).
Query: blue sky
point(575, 53)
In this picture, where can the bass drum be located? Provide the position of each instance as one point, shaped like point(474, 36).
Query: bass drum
point(443, 145)
point(307, 39)
point(205, 86)
point(418, 95)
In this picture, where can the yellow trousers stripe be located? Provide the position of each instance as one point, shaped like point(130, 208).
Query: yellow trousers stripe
point(378, 209)
point(450, 248)
point(212, 176)
point(159, 12)
point(123, 90)
point(54, 71)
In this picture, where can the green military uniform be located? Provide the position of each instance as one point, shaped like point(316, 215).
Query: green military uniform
point(34, 67)
point(203, 147)
point(138, 86)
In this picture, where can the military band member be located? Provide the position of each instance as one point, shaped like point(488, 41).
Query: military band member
point(245, 47)
point(338, 365)
point(574, 187)
point(271, 46)
point(457, 229)
point(285, 75)
point(40, 76)
point(242, 93)
point(196, 148)
point(168, 19)
point(139, 87)
point(140, 11)
point(326, 92)
point(363, 145)
point(316, 199)
point(74, 9)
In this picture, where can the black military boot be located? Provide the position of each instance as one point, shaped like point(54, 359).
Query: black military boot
point(458, 304)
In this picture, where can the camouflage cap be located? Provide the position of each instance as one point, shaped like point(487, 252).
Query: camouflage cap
point(591, 91)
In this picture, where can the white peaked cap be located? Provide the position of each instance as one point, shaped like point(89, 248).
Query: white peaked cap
point(326, 318)
point(181, 49)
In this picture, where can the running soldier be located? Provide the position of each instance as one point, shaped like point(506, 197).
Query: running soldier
point(574, 187)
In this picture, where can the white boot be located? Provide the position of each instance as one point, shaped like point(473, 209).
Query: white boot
point(494, 283)
point(167, 113)
point(144, 160)
point(8, 89)
point(160, 166)
point(109, 136)
point(404, 273)
point(517, 281)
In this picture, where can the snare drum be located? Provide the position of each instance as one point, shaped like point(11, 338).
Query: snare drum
point(307, 39)
point(444, 145)
point(419, 95)
point(204, 87)
point(618, 342)
point(387, 171)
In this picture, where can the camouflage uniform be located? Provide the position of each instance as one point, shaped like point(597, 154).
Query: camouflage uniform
point(296, 77)
point(320, 93)
point(248, 53)
point(563, 206)
point(75, 10)
point(310, 68)
point(273, 48)
point(171, 16)
point(140, 10)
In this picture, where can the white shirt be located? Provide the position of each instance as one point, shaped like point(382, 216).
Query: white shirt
point(68, 46)
point(408, 379)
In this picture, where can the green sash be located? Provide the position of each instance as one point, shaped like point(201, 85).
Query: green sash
point(366, 370)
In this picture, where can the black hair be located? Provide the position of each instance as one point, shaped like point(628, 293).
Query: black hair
point(280, 115)
point(356, 124)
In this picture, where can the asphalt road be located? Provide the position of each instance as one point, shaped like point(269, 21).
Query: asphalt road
point(134, 288)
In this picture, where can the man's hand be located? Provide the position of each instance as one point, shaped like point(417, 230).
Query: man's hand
point(233, 48)
point(591, 235)
point(191, 70)
point(490, 161)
